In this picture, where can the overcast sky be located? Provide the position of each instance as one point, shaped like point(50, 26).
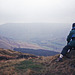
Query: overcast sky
point(37, 11)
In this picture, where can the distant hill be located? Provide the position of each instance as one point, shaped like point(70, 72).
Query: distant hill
point(51, 36)
point(38, 52)
point(8, 43)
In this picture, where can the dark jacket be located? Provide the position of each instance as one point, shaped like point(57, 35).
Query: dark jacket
point(70, 36)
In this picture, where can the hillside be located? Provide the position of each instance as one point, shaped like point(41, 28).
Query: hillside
point(7, 54)
point(38, 66)
point(8, 43)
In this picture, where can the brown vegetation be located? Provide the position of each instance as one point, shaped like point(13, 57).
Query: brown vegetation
point(6, 54)
point(37, 66)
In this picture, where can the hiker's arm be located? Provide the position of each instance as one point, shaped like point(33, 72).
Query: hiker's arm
point(69, 37)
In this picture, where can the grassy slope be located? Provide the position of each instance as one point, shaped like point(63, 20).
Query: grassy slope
point(38, 66)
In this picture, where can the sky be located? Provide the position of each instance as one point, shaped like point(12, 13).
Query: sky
point(37, 11)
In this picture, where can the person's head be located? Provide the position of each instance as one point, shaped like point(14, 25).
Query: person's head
point(73, 26)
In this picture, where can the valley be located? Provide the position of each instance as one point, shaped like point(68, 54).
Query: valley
point(49, 36)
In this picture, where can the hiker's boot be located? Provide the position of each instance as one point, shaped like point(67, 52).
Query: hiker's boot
point(59, 60)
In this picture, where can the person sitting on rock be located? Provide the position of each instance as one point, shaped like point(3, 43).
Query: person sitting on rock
point(70, 43)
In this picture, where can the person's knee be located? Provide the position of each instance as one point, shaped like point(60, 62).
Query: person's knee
point(63, 54)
